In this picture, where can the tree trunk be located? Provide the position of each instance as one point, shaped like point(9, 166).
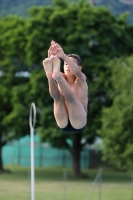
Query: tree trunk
point(76, 151)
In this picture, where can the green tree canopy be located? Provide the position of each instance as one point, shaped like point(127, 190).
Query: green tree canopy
point(117, 121)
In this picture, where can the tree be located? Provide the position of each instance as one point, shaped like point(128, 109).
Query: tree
point(117, 126)
point(12, 42)
point(86, 24)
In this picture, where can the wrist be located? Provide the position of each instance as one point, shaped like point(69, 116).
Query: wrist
point(63, 56)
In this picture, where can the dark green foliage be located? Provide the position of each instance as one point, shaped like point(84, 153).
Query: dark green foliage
point(117, 126)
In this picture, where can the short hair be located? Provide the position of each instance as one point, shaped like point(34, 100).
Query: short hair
point(77, 58)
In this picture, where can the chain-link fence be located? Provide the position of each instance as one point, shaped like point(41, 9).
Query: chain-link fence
point(18, 152)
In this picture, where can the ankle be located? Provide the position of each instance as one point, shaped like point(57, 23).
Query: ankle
point(55, 76)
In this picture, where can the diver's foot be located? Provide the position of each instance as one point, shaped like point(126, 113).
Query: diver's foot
point(56, 68)
point(47, 64)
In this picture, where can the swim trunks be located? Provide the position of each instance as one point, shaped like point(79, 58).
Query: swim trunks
point(70, 128)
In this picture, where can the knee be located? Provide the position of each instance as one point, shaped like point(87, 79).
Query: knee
point(56, 96)
point(59, 99)
point(70, 98)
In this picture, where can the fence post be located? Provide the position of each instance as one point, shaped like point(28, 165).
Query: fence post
point(19, 153)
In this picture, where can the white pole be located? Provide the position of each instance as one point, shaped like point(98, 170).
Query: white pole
point(32, 124)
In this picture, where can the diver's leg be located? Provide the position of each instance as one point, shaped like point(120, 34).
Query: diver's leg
point(60, 110)
point(76, 112)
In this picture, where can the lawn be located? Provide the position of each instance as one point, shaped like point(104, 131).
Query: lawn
point(50, 185)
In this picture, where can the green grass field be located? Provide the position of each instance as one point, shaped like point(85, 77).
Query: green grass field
point(49, 185)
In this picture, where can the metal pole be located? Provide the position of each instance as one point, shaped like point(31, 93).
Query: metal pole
point(32, 165)
point(65, 184)
point(100, 183)
point(32, 124)
point(93, 185)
